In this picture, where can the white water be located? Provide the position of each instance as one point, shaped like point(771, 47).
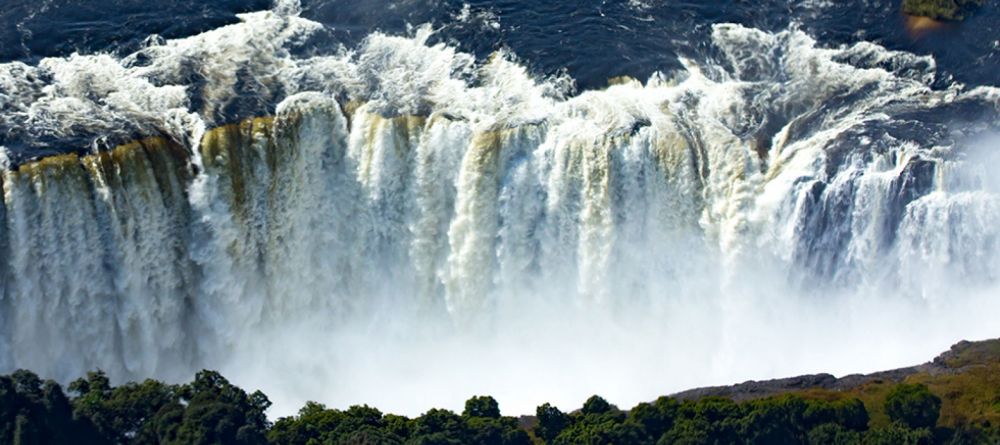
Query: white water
point(415, 227)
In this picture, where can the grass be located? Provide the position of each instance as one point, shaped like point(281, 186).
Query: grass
point(967, 380)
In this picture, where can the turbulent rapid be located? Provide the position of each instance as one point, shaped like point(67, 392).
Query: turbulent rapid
point(403, 224)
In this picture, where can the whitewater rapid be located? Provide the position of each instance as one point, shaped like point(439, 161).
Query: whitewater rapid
point(410, 226)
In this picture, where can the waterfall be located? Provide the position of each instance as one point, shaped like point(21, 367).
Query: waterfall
point(407, 203)
point(98, 264)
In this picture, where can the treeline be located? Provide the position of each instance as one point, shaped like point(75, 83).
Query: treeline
point(211, 411)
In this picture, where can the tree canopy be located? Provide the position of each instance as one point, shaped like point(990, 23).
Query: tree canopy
point(212, 411)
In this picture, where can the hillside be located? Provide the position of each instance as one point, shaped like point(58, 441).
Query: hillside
point(967, 378)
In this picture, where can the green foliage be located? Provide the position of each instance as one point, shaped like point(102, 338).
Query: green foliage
point(496, 431)
point(601, 430)
point(208, 411)
point(551, 422)
point(688, 431)
point(848, 413)
point(913, 405)
point(898, 434)
point(481, 423)
point(36, 412)
point(440, 426)
point(316, 424)
point(122, 415)
point(787, 419)
point(776, 421)
point(212, 411)
point(598, 422)
point(482, 406)
point(970, 435)
point(833, 434)
point(713, 419)
point(941, 9)
point(596, 405)
point(215, 413)
point(655, 418)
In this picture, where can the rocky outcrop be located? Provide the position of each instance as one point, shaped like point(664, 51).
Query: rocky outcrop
point(958, 359)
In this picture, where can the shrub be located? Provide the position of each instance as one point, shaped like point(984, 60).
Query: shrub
point(913, 405)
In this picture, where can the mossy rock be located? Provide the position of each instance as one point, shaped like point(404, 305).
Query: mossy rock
point(941, 9)
point(968, 353)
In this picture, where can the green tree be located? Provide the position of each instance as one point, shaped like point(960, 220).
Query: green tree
point(709, 420)
point(601, 430)
point(551, 422)
point(58, 412)
point(482, 406)
point(600, 422)
point(26, 433)
point(913, 405)
point(314, 424)
point(123, 414)
point(596, 405)
point(688, 431)
point(833, 434)
point(516, 436)
point(367, 435)
point(217, 413)
point(656, 418)
point(775, 421)
point(399, 426)
point(440, 427)
point(37, 412)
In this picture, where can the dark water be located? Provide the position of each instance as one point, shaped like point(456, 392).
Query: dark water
point(31, 29)
point(592, 40)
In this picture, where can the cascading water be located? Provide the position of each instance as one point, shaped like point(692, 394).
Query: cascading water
point(412, 226)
